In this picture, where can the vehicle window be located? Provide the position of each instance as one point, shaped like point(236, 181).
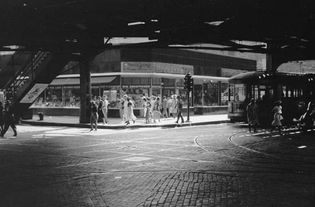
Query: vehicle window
point(239, 92)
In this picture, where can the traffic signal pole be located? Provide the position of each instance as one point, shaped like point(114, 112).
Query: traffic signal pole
point(188, 85)
point(188, 104)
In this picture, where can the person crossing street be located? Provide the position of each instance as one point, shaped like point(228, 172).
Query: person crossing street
point(8, 118)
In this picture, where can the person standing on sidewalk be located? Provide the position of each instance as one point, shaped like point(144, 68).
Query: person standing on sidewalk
point(156, 114)
point(164, 108)
point(179, 107)
point(144, 103)
point(104, 108)
point(168, 106)
point(148, 112)
point(130, 115)
point(100, 110)
point(8, 118)
point(94, 115)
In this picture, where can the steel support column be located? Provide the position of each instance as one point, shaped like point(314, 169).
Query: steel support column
point(86, 91)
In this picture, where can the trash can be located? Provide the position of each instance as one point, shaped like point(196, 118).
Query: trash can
point(41, 116)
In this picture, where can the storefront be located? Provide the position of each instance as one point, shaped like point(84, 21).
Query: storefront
point(64, 92)
point(147, 72)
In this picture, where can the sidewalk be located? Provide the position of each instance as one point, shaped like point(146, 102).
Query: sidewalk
point(116, 123)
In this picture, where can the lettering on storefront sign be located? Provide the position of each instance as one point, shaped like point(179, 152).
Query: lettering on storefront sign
point(32, 95)
point(156, 67)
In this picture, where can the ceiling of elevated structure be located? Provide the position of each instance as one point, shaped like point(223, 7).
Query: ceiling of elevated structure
point(287, 26)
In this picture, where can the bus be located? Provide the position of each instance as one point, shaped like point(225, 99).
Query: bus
point(293, 90)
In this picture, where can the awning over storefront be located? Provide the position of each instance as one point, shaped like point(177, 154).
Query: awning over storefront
point(101, 78)
point(197, 78)
point(76, 80)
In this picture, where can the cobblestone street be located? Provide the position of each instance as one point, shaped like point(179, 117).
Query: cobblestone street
point(213, 165)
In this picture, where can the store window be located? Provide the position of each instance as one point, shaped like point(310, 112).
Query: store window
point(156, 81)
point(210, 91)
point(183, 94)
point(135, 81)
point(71, 96)
point(54, 96)
point(168, 82)
point(168, 92)
point(113, 95)
point(156, 92)
point(240, 94)
point(224, 94)
point(198, 95)
point(41, 100)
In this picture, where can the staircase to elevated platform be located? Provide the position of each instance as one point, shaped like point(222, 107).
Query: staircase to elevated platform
point(31, 80)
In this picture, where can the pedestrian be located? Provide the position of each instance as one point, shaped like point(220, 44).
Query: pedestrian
point(179, 107)
point(105, 109)
point(125, 108)
point(100, 111)
point(277, 116)
point(173, 109)
point(168, 106)
point(148, 111)
point(252, 115)
point(94, 115)
point(144, 103)
point(156, 114)
point(130, 115)
point(8, 118)
point(1, 117)
point(306, 120)
point(164, 108)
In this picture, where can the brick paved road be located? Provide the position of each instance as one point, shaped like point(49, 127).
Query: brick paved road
point(217, 165)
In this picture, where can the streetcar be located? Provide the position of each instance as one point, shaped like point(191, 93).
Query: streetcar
point(293, 90)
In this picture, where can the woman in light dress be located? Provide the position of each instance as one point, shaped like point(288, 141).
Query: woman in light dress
point(156, 114)
point(129, 112)
point(277, 116)
point(173, 106)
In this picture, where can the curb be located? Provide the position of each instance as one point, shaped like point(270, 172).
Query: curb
point(78, 125)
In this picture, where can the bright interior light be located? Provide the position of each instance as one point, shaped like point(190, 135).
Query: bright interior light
point(214, 23)
point(135, 23)
point(128, 40)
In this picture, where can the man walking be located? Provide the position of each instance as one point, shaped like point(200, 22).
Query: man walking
point(8, 117)
point(94, 115)
point(179, 107)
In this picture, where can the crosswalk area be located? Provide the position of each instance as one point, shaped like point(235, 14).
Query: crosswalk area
point(44, 132)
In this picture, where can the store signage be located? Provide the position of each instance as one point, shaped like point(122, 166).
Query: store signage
point(32, 95)
point(156, 67)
